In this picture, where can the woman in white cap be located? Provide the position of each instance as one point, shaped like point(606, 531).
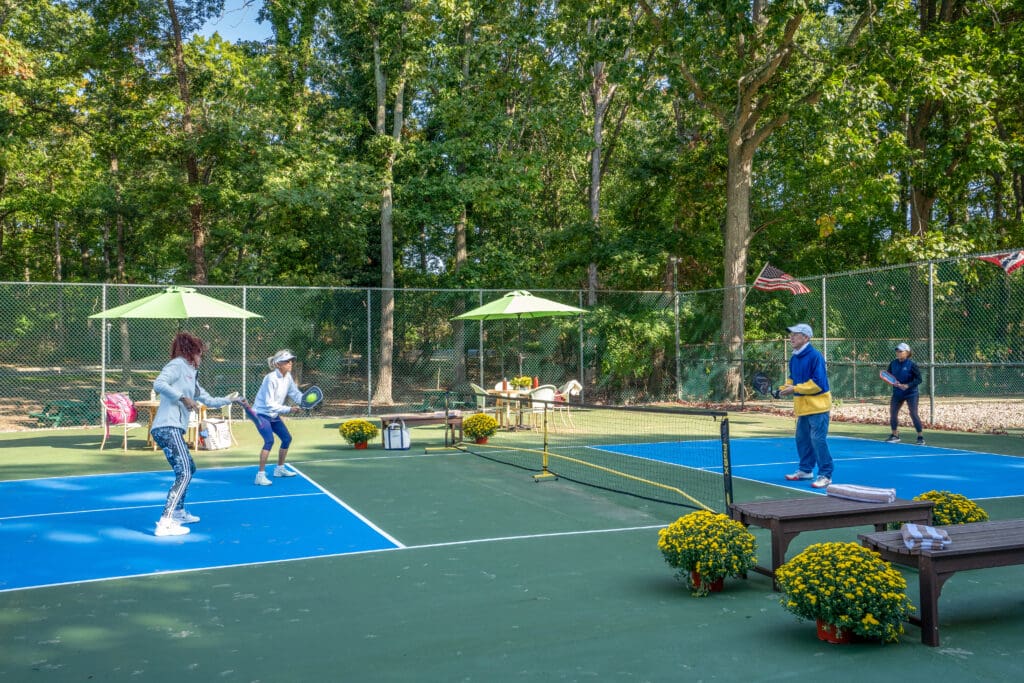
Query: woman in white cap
point(277, 386)
point(908, 379)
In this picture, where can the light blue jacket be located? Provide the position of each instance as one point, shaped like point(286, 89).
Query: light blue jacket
point(178, 379)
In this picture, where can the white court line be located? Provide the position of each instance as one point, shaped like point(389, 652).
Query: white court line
point(155, 505)
point(355, 512)
point(426, 546)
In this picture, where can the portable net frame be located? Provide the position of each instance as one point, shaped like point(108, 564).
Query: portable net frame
point(670, 455)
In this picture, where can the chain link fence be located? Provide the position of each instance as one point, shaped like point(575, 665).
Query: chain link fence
point(963, 318)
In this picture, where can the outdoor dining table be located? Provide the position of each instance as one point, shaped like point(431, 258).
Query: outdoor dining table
point(517, 399)
point(191, 436)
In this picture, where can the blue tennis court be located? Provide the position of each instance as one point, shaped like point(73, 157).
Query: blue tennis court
point(72, 529)
point(910, 469)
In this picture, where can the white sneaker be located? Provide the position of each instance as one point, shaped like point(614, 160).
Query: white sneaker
point(261, 479)
point(282, 471)
point(798, 475)
point(168, 526)
point(183, 516)
point(821, 482)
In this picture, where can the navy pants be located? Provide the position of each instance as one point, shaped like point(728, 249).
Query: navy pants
point(894, 411)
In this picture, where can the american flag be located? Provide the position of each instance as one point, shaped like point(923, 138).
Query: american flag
point(772, 279)
point(1010, 261)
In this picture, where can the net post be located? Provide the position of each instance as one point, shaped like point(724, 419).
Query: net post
point(545, 474)
point(726, 463)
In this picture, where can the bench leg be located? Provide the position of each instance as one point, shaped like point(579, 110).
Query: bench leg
point(931, 582)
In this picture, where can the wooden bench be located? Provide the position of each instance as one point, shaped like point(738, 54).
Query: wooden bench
point(786, 519)
point(452, 423)
point(974, 546)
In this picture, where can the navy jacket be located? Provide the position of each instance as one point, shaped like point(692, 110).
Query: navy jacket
point(907, 373)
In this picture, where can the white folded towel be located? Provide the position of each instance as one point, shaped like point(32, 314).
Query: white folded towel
point(865, 494)
point(920, 536)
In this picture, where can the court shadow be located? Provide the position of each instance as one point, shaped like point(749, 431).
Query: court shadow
point(65, 441)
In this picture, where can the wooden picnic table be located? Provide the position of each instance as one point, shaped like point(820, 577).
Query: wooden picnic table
point(788, 518)
point(973, 546)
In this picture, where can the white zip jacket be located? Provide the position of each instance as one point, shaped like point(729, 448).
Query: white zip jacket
point(178, 379)
point(273, 392)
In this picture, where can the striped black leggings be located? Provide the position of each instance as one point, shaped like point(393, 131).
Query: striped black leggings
point(172, 441)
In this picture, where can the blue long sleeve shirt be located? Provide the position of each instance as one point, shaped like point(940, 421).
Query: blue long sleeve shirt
point(905, 372)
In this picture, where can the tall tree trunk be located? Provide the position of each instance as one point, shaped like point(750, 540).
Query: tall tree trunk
point(601, 95)
point(197, 252)
point(385, 372)
point(736, 253)
point(459, 307)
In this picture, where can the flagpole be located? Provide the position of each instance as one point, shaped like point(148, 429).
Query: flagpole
point(755, 280)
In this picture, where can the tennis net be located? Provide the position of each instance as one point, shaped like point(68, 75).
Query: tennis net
point(671, 455)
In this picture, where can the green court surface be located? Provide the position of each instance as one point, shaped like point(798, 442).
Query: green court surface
point(501, 579)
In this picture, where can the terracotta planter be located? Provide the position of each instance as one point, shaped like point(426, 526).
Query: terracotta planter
point(832, 634)
point(481, 439)
point(715, 586)
point(360, 445)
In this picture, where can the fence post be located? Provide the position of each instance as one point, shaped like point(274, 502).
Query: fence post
point(579, 320)
point(824, 319)
point(675, 319)
point(245, 339)
point(369, 351)
point(103, 343)
point(931, 343)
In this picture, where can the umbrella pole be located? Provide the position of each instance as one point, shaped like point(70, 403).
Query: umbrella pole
point(519, 348)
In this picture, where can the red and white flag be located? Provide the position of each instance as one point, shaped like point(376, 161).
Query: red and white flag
point(772, 279)
point(1010, 261)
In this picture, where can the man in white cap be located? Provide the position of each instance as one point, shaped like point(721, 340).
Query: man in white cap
point(812, 405)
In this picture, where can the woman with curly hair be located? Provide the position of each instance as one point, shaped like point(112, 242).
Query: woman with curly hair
point(180, 394)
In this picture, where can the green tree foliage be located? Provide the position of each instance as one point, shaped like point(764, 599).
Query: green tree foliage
point(905, 143)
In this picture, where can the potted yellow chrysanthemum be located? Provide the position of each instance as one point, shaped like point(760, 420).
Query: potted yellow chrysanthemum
point(479, 427)
point(847, 589)
point(953, 508)
point(705, 547)
point(358, 431)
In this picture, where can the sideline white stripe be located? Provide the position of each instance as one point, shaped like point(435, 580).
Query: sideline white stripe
point(427, 546)
point(352, 510)
point(157, 505)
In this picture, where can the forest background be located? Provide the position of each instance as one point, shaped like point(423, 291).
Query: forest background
point(591, 144)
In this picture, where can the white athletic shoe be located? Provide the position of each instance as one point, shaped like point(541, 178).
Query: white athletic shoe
point(282, 471)
point(183, 516)
point(261, 479)
point(798, 475)
point(168, 526)
point(821, 482)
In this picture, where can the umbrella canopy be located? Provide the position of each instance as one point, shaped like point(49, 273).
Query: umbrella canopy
point(519, 304)
point(174, 303)
point(177, 303)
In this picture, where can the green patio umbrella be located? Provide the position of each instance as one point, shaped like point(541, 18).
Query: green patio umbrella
point(174, 303)
point(518, 305)
point(177, 303)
